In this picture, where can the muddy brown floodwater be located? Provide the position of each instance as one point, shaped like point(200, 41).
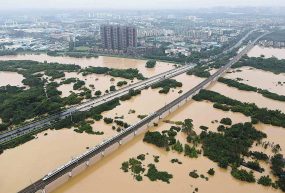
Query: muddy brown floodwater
point(99, 177)
point(57, 147)
point(268, 52)
point(27, 163)
point(11, 78)
point(104, 61)
point(260, 79)
point(99, 81)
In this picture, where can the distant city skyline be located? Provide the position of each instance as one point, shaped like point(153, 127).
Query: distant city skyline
point(132, 4)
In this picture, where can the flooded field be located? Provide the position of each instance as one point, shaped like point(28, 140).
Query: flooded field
point(249, 97)
point(72, 143)
point(260, 79)
point(104, 61)
point(108, 170)
point(11, 78)
point(92, 82)
point(257, 51)
point(34, 159)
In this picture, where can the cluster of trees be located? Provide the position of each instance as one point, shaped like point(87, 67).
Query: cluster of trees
point(69, 81)
point(136, 167)
point(153, 174)
point(108, 120)
point(243, 175)
point(259, 155)
point(28, 67)
point(122, 83)
point(15, 143)
point(130, 94)
point(166, 85)
point(78, 84)
point(273, 117)
point(242, 86)
point(121, 123)
point(79, 117)
point(166, 139)
point(95, 70)
point(199, 71)
point(129, 73)
point(150, 64)
point(226, 121)
point(175, 161)
point(254, 165)
point(87, 128)
point(19, 105)
point(228, 146)
point(156, 138)
point(278, 169)
point(268, 64)
point(265, 181)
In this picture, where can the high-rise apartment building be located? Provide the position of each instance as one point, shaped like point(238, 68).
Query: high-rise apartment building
point(116, 37)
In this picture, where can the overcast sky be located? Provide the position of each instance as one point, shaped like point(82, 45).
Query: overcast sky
point(134, 4)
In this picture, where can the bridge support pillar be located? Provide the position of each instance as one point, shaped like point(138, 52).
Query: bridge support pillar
point(135, 132)
point(102, 153)
point(69, 174)
point(43, 191)
point(87, 163)
point(120, 142)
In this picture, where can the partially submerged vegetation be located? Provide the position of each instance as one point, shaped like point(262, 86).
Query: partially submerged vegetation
point(268, 64)
point(242, 86)
point(200, 71)
point(137, 169)
point(166, 85)
point(123, 73)
point(20, 104)
point(150, 64)
point(273, 117)
point(226, 148)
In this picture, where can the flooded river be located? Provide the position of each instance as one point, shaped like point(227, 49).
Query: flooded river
point(268, 52)
point(104, 61)
point(51, 149)
point(99, 177)
point(260, 79)
point(11, 78)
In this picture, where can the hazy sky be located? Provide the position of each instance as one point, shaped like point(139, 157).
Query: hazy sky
point(134, 4)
